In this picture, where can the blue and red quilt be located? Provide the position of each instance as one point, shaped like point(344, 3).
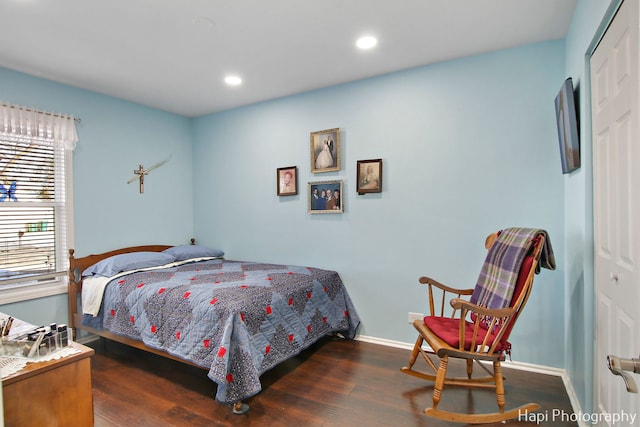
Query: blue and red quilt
point(238, 319)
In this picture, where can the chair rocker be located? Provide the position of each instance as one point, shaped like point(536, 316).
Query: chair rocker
point(477, 330)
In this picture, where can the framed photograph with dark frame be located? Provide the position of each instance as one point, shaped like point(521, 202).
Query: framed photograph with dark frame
point(369, 176)
point(325, 197)
point(324, 146)
point(287, 181)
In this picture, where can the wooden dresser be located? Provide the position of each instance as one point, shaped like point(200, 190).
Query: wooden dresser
point(53, 393)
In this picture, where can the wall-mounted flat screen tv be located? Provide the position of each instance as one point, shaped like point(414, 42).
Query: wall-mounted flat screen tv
point(567, 122)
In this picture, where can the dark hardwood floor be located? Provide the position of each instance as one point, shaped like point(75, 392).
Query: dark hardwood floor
point(334, 383)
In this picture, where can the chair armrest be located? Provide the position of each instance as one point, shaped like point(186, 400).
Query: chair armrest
point(447, 293)
point(429, 281)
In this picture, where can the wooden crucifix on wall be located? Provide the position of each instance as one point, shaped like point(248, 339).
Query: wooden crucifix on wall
point(141, 172)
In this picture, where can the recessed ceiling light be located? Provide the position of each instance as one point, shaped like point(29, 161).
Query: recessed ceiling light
point(233, 80)
point(366, 42)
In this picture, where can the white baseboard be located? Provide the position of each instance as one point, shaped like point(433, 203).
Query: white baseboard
point(530, 367)
point(573, 398)
point(382, 341)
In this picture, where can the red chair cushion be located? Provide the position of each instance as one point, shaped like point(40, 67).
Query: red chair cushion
point(447, 329)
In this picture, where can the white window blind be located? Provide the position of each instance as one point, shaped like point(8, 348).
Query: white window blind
point(28, 209)
point(34, 171)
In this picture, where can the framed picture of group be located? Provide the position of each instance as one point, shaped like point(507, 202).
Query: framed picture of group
point(325, 197)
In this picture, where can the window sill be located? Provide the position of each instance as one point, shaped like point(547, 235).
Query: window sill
point(16, 293)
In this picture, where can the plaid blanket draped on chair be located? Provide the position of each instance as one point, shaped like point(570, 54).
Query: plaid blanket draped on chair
point(499, 273)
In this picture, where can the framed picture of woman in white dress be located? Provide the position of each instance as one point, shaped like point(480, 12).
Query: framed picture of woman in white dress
point(325, 150)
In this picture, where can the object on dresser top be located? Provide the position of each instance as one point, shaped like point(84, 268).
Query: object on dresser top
point(34, 342)
point(5, 326)
point(16, 327)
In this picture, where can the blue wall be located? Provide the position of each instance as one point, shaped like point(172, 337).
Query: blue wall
point(468, 146)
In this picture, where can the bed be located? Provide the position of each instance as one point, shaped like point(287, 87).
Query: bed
point(237, 319)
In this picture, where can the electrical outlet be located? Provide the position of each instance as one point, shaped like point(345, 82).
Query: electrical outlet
point(415, 316)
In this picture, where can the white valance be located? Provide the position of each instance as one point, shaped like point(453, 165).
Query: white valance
point(22, 123)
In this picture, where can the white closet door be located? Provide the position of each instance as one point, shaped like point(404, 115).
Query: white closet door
point(616, 175)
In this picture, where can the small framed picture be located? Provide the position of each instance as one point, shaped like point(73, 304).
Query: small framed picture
point(325, 197)
point(325, 150)
point(369, 176)
point(287, 181)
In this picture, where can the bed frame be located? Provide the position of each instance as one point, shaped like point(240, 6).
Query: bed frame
point(77, 266)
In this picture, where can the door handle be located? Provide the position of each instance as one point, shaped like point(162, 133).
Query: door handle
point(622, 367)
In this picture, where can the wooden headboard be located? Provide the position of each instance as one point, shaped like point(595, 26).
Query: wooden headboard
point(78, 265)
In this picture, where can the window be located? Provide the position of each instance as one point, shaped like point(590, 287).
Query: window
point(35, 171)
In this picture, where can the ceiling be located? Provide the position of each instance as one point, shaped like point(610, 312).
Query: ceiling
point(174, 54)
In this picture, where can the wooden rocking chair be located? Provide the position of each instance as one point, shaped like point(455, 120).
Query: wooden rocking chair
point(478, 330)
